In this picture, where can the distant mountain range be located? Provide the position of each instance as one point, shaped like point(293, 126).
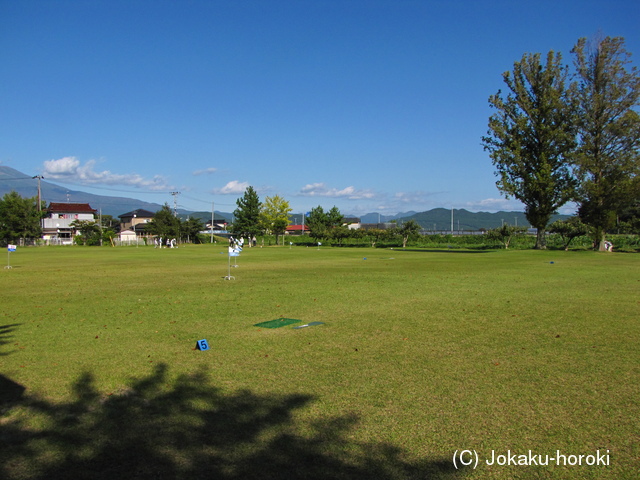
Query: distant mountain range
point(438, 219)
point(379, 218)
point(27, 187)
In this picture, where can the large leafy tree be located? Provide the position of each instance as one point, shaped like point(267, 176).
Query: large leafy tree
point(341, 233)
point(321, 223)
point(164, 224)
point(89, 232)
point(19, 218)
point(569, 229)
point(531, 137)
point(318, 223)
point(109, 227)
point(629, 218)
point(409, 229)
point(190, 229)
point(504, 234)
point(608, 160)
point(334, 217)
point(274, 214)
point(247, 215)
point(374, 235)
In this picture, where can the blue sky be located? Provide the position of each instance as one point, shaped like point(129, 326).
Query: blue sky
point(371, 106)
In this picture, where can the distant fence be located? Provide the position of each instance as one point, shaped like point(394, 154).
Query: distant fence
point(454, 232)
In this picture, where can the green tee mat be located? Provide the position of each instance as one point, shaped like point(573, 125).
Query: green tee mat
point(310, 324)
point(277, 323)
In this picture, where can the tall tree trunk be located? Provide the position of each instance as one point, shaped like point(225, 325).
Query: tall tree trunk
point(598, 240)
point(541, 239)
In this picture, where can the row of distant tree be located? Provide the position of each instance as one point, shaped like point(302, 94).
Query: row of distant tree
point(253, 218)
point(20, 219)
point(560, 135)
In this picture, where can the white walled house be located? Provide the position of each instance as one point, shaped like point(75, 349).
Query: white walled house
point(56, 225)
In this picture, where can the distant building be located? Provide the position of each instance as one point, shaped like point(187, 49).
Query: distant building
point(379, 226)
point(127, 236)
point(136, 221)
point(296, 230)
point(352, 223)
point(56, 225)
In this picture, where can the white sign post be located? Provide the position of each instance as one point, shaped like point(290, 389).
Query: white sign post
point(10, 248)
point(233, 252)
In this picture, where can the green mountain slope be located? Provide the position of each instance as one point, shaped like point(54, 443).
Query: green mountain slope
point(439, 219)
point(27, 187)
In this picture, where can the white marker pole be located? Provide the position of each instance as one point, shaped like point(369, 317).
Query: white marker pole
point(229, 276)
point(10, 248)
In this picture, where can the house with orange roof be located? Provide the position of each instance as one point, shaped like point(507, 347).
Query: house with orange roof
point(296, 230)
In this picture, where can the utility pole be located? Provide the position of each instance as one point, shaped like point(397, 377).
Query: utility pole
point(451, 220)
point(175, 203)
point(39, 177)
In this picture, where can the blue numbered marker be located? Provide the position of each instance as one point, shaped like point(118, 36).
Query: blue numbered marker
point(202, 345)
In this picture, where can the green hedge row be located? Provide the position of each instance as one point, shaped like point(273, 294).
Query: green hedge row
point(629, 243)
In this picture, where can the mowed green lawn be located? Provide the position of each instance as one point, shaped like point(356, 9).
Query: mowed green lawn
point(421, 354)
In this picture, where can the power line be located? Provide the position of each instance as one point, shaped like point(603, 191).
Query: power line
point(63, 182)
point(207, 201)
point(138, 192)
point(18, 178)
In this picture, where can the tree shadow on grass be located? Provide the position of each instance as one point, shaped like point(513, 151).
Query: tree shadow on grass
point(192, 430)
point(10, 391)
point(465, 250)
point(5, 336)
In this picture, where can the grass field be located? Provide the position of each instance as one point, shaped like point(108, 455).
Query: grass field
point(421, 353)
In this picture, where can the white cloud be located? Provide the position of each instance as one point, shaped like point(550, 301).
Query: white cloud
point(495, 205)
point(63, 167)
point(71, 170)
point(411, 198)
point(404, 201)
point(321, 190)
point(205, 171)
point(234, 187)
